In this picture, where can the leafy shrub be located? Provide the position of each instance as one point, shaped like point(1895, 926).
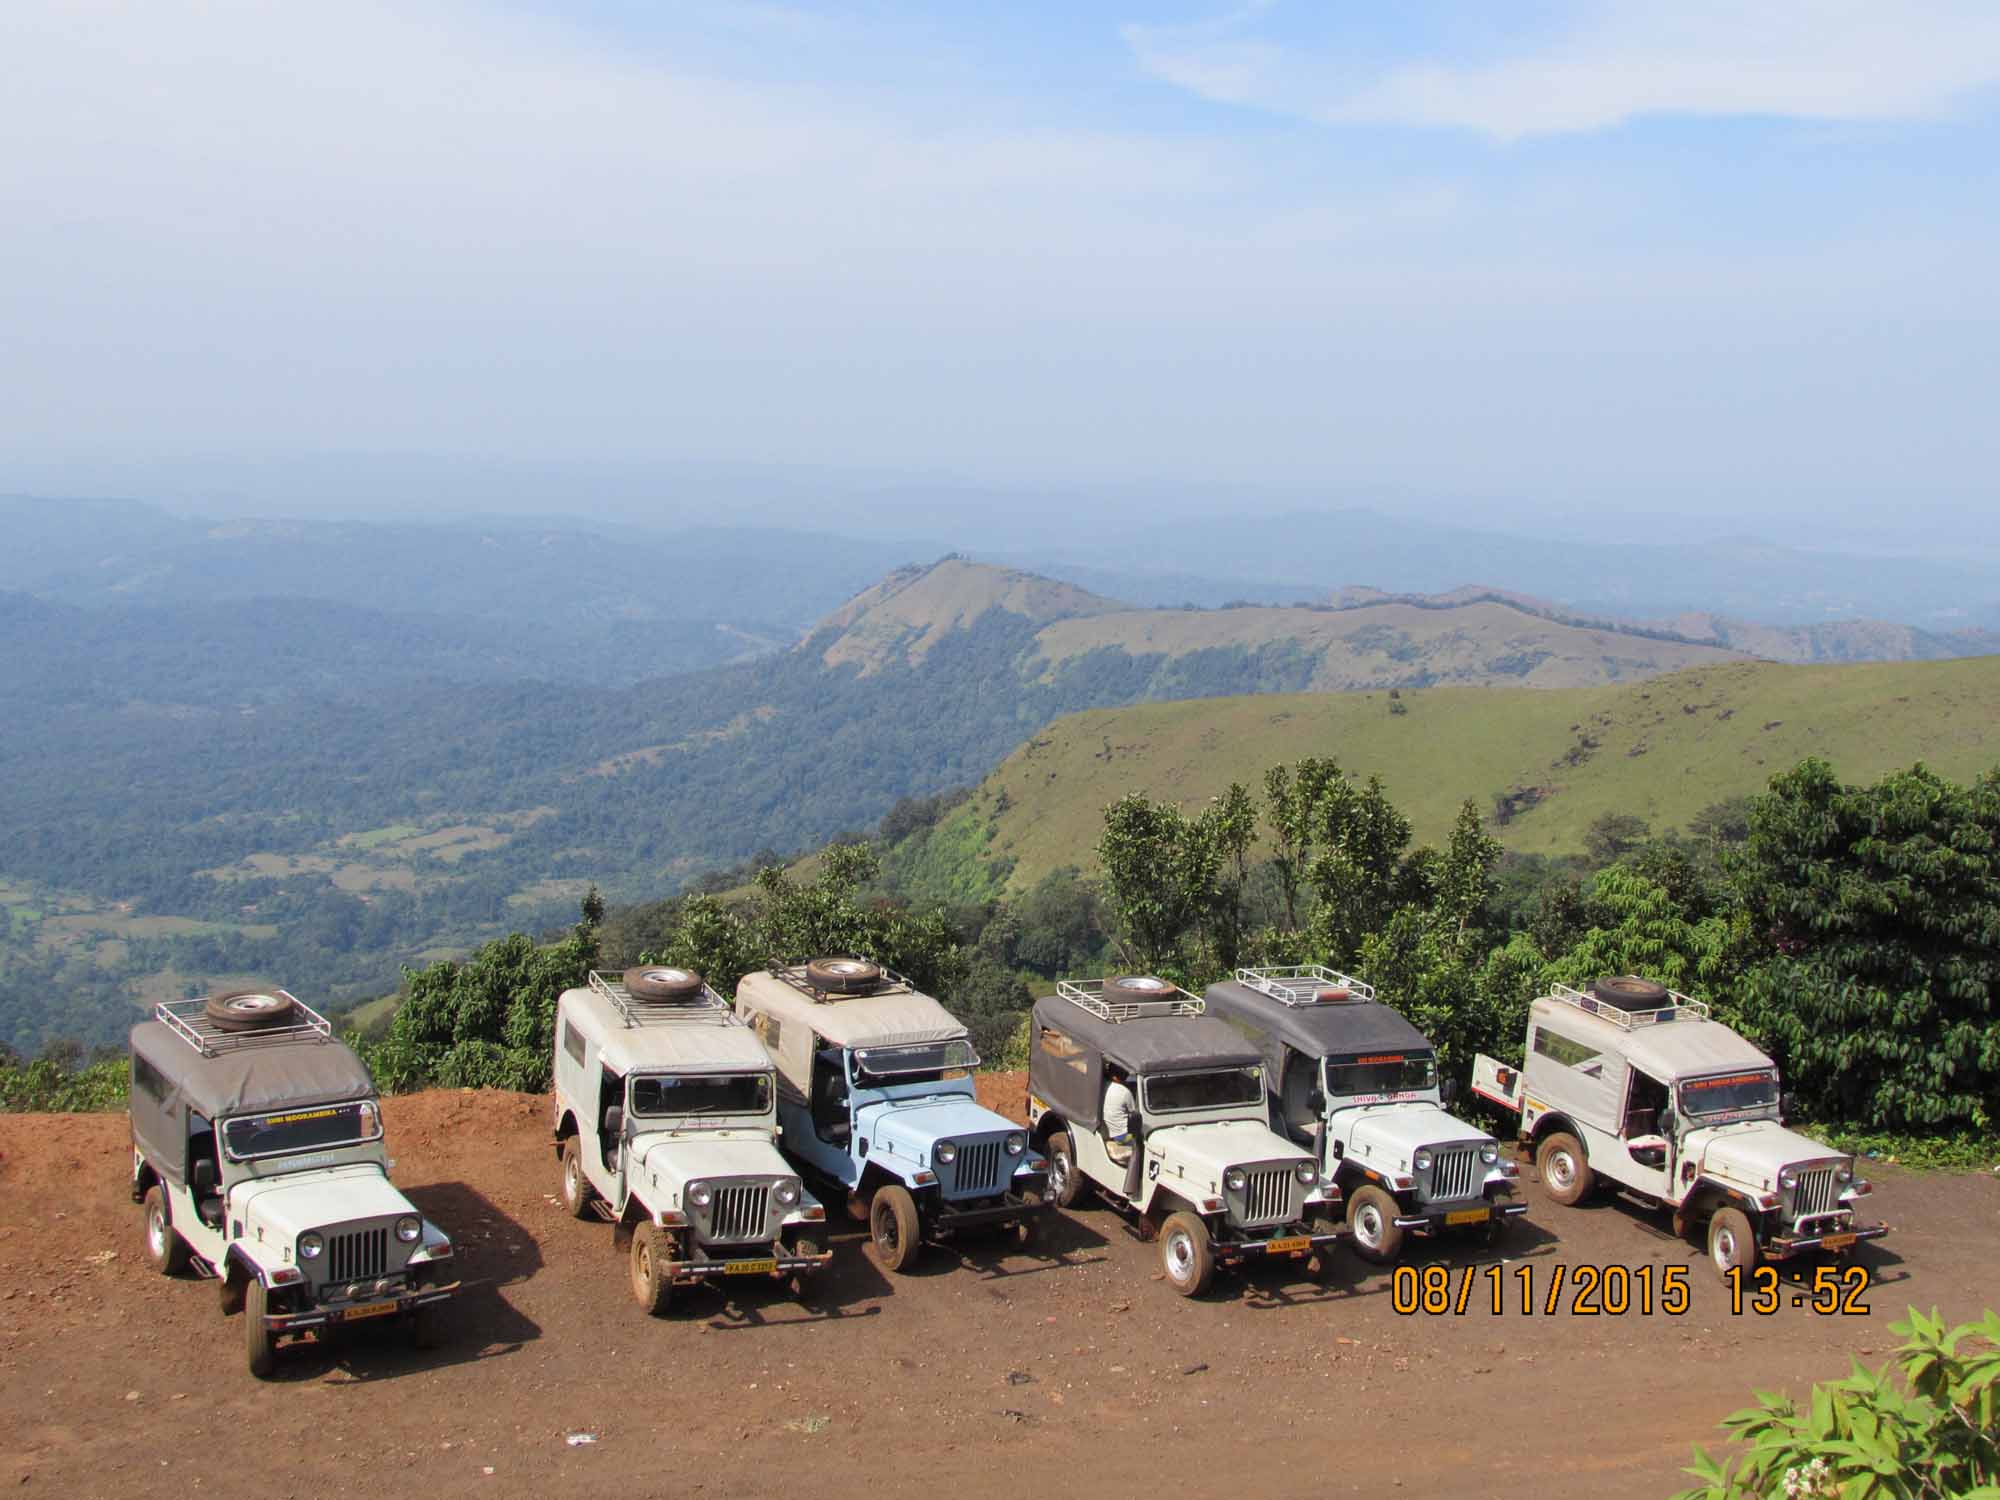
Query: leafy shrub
point(49, 1085)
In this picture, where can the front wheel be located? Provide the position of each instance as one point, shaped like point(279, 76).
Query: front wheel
point(1028, 1228)
point(652, 1282)
point(1187, 1254)
point(260, 1346)
point(166, 1251)
point(893, 1223)
point(1371, 1215)
point(1065, 1182)
point(576, 1190)
point(1565, 1169)
point(1732, 1243)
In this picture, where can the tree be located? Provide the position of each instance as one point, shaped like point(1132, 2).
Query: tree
point(1229, 823)
point(1362, 836)
point(1292, 804)
point(1464, 879)
point(1613, 835)
point(1158, 873)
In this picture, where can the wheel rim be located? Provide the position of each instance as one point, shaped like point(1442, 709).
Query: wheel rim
point(1725, 1247)
point(156, 1232)
point(1368, 1226)
point(1562, 1171)
point(1059, 1174)
point(252, 1005)
point(642, 1270)
point(1179, 1254)
point(885, 1230)
point(572, 1186)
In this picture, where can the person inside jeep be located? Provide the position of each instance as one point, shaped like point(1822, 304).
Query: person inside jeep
point(1645, 1109)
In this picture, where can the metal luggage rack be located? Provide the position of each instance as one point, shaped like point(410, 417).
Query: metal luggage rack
point(1305, 984)
point(891, 982)
point(1628, 1020)
point(705, 1008)
point(1088, 995)
point(188, 1020)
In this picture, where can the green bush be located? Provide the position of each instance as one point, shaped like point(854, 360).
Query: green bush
point(49, 1086)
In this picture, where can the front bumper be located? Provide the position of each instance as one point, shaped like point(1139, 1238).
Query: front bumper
point(1229, 1252)
point(1780, 1246)
point(688, 1272)
point(1460, 1218)
point(331, 1315)
point(1012, 1208)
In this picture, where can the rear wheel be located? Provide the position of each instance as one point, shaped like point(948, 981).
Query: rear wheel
point(892, 1222)
point(576, 1190)
point(1065, 1182)
point(1186, 1254)
point(166, 1251)
point(652, 1283)
point(1732, 1243)
point(1371, 1216)
point(260, 1345)
point(1565, 1170)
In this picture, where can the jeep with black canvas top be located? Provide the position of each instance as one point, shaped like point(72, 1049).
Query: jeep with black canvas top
point(257, 1160)
point(666, 1125)
point(1634, 1084)
point(1356, 1084)
point(876, 1098)
point(1134, 1092)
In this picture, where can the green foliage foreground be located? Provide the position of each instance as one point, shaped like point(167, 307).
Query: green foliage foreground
point(1934, 1434)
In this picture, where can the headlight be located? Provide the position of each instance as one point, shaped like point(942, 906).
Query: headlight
point(1788, 1177)
point(1846, 1172)
point(1490, 1154)
point(1307, 1173)
point(409, 1229)
point(947, 1152)
point(1422, 1160)
point(1016, 1143)
point(700, 1194)
point(787, 1192)
point(310, 1245)
point(1235, 1179)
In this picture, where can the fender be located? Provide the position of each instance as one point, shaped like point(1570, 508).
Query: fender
point(1048, 1125)
point(1706, 1196)
point(1551, 1122)
point(565, 1128)
point(143, 1176)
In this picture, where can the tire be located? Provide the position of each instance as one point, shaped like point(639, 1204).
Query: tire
point(1565, 1169)
point(1138, 987)
point(1186, 1254)
point(652, 1286)
point(895, 1228)
point(1065, 1181)
point(166, 1252)
point(662, 982)
point(249, 1010)
point(259, 1347)
point(1026, 1230)
point(1629, 992)
point(843, 976)
point(1371, 1220)
point(1731, 1242)
point(577, 1193)
point(229, 1283)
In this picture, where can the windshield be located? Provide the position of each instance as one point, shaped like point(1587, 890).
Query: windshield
point(1220, 1088)
point(1374, 1074)
point(924, 1060)
point(701, 1094)
point(313, 1129)
point(1729, 1093)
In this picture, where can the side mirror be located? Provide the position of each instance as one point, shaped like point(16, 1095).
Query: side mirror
point(1787, 1103)
point(1450, 1090)
point(614, 1122)
point(202, 1179)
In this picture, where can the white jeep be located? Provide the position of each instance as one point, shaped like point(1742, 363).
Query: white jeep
point(257, 1159)
point(1635, 1084)
point(666, 1125)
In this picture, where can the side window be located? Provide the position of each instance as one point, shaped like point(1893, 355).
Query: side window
point(149, 1080)
point(767, 1028)
point(572, 1041)
point(1062, 1050)
point(1559, 1048)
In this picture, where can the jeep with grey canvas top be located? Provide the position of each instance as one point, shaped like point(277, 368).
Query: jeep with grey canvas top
point(1355, 1083)
point(1635, 1084)
point(1201, 1168)
point(876, 1098)
point(666, 1125)
point(257, 1159)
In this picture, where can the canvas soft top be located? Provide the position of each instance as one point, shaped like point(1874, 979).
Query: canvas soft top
point(1153, 1043)
point(1685, 1048)
point(273, 1076)
point(705, 1041)
point(898, 1013)
point(1332, 1030)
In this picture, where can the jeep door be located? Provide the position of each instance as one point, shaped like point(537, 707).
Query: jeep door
point(1646, 1133)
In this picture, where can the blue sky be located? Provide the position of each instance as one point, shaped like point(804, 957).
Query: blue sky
point(1611, 257)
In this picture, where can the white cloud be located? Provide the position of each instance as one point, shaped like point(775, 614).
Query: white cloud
point(1612, 61)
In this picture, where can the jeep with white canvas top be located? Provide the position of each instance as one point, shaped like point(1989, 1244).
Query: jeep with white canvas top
point(666, 1125)
point(1633, 1083)
point(876, 1098)
point(1356, 1084)
point(1134, 1091)
point(257, 1159)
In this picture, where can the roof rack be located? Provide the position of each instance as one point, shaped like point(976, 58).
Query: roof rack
point(1088, 995)
point(891, 983)
point(1305, 984)
point(703, 1008)
point(1678, 1007)
point(188, 1020)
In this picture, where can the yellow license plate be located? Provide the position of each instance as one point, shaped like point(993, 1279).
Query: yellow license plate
point(751, 1267)
point(1468, 1216)
point(1281, 1247)
point(1836, 1242)
point(372, 1310)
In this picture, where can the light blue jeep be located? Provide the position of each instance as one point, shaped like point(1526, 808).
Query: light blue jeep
point(876, 1100)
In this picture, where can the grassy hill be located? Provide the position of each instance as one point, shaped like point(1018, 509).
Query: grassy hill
point(1662, 749)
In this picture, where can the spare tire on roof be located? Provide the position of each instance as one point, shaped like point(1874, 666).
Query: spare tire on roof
point(249, 1010)
point(1332, 993)
point(1138, 987)
point(1629, 992)
point(843, 976)
point(662, 982)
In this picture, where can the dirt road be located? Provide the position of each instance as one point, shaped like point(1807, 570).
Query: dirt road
point(987, 1373)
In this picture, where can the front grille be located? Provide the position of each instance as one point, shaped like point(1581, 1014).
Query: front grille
point(1455, 1174)
point(977, 1170)
point(739, 1212)
point(1815, 1194)
point(1267, 1196)
point(358, 1256)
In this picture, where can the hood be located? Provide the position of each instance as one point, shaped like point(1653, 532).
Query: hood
point(670, 1160)
point(281, 1209)
point(1751, 1154)
point(1386, 1136)
point(1224, 1144)
point(911, 1130)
